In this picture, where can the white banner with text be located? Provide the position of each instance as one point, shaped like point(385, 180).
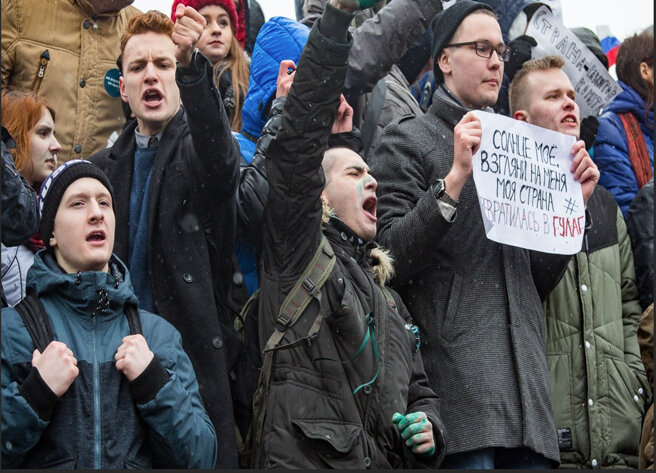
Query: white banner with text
point(595, 87)
point(526, 191)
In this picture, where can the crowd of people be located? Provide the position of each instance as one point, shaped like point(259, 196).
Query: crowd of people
point(236, 243)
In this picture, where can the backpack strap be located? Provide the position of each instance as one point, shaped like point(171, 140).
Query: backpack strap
point(240, 321)
point(388, 296)
point(638, 153)
point(36, 321)
point(307, 287)
point(134, 320)
point(38, 325)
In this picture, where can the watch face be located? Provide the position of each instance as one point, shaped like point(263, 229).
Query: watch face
point(438, 188)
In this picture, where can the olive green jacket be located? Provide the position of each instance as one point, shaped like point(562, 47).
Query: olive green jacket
point(599, 386)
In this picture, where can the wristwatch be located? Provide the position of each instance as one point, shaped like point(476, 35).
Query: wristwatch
point(440, 193)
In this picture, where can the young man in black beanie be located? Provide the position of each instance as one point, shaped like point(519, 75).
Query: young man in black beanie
point(100, 395)
point(476, 302)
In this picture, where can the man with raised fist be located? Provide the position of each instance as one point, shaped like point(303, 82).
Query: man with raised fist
point(175, 172)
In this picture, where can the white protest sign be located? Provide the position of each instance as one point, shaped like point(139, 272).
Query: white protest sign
point(595, 88)
point(526, 192)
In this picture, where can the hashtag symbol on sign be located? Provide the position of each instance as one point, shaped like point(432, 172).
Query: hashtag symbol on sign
point(570, 206)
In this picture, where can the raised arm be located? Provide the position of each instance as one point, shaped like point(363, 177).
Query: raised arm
point(292, 215)
point(214, 166)
point(381, 41)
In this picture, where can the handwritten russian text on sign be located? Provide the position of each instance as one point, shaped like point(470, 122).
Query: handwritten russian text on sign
point(526, 192)
point(595, 88)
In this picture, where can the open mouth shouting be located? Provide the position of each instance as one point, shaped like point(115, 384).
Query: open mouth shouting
point(369, 207)
point(569, 119)
point(152, 97)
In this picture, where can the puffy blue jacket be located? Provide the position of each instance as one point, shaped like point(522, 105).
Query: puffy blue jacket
point(611, 151)
point(279, 39)
point(103, 420)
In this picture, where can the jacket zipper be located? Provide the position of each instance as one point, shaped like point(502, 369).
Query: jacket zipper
point(44, 59)
point(96, 401)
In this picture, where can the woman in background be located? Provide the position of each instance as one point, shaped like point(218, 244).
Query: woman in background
point(31, 123)
point(624, 146)
point(220, 45)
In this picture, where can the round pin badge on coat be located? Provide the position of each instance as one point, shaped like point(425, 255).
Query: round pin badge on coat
point(111, 82)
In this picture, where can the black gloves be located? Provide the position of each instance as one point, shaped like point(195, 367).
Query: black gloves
point(589, 127)
point(520, 52)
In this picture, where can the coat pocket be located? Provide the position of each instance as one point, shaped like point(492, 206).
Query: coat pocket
point(627, 383)
point(449, 323)
point(332, 443)
point(626, 407)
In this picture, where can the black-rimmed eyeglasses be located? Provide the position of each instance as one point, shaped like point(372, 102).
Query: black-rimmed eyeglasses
point(484, 49)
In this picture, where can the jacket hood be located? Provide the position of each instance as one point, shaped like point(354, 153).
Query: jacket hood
point(630, 101)
point(81, 290)
point(279, 38)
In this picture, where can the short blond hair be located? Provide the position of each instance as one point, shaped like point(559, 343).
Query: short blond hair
point(517, 94)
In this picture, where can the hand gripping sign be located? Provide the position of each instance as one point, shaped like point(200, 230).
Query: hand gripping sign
point(526, 192)
point(595, 88)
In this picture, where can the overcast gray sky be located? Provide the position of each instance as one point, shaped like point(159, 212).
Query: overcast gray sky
point(623, 18)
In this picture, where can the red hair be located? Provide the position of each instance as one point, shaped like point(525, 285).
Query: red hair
point(152, 21)
point(21, 111)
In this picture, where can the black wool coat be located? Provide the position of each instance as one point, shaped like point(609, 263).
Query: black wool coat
point(191, 231)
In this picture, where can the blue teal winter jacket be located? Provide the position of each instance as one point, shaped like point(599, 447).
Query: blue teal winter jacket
point(611, 151)
point(103, 420)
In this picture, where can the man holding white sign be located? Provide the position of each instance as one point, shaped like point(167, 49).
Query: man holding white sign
point(527, 194)
point(597, 377)
point(476, 302)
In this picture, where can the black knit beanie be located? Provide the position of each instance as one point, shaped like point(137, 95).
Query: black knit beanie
point(53, 188)
point(445, 25)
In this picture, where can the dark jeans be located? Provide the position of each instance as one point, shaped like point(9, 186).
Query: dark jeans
point(497, 457)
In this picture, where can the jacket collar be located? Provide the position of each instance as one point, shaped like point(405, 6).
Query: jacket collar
point(89, 292)
point(124, 145)
point(446, 108)
point(339, 233)
point(120, 174)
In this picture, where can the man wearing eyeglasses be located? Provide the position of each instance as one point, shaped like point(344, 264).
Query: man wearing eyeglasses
point(477, 302)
